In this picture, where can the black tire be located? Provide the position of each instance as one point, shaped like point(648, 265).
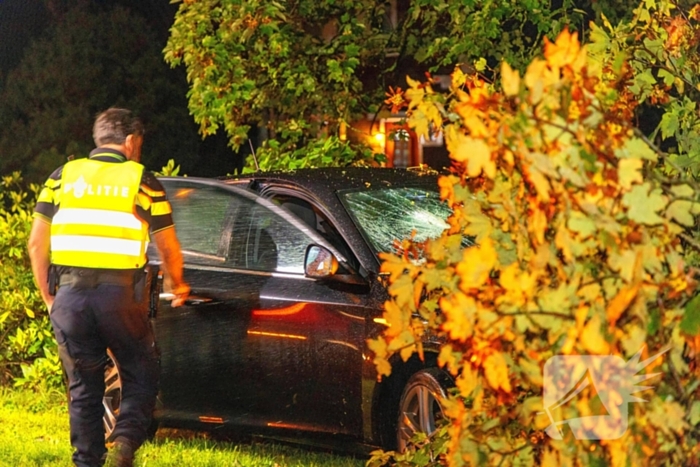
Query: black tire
point(113, 394)
point(113, 398)
point(419, 406)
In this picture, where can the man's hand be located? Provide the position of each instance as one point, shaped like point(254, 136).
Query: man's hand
point(181, 293)
point(39, 247)
point(169, 250)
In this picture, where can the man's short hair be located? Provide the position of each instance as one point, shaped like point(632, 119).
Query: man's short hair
point(113, 126)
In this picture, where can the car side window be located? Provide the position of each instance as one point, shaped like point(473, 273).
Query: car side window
point(272, 243)
point(227, 228)
point(317, 221)
point(200, 213)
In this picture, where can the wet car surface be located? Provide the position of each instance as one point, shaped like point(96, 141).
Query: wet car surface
point(286, 290)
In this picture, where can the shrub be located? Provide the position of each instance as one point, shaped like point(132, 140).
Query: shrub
point(578, 218)
point(27, 347)
point(329, 152)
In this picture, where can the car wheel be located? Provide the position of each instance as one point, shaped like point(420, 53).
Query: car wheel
point(419, 406)
point(112, 399)
point(113, 394)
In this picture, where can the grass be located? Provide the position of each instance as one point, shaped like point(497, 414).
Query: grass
point(34, 433)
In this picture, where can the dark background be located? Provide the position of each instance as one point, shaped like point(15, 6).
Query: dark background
point(20, 21)
point(25, 21)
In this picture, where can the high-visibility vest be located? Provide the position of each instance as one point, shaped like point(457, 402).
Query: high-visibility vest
point(96, 225)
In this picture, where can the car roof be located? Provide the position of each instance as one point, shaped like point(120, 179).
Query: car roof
point(323, 185)
point(334, 179)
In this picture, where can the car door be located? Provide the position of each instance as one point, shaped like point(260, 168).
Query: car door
point(305, 339)
point(259, 343)
point(199, 343)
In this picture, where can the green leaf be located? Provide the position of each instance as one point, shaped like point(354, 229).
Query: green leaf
point(680, 211)
point(690, 323)
point(683, 191)
point(600, 41)
point(581, 224)
point(643, 203)
point(669, 124)
point(667, 77)
point(637, 148)
point(695, 413)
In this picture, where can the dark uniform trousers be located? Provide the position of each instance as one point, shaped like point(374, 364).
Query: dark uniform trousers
point(87, 321)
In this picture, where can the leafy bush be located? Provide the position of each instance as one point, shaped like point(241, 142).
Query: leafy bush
point(329, 152)
point(169, 170)
point(578, 218)
point(28, 353)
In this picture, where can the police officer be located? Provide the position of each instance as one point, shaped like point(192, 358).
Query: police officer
point(91, 227)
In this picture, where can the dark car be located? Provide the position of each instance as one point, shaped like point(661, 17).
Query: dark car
point(286, 290)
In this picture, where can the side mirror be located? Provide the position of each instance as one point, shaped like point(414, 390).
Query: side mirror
point(319, 262)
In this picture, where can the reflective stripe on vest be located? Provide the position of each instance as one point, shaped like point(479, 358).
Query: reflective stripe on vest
point(95, 225)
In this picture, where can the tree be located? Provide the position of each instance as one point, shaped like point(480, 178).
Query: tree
point(303, 68)
point(90, 60)
point(578, 218)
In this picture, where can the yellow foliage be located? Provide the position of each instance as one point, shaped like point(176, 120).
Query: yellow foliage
point(539, 181)
point(621, 302)
point(565, 51)
point(550, 459)
point(474, 152)
point(576, 254)
point(404, 291)
point(592, 338)
point(643, 202)
point(668, 416)
point(510, 80)
point(628, 172)
point(460, 311)
point(467, 381)
point(518, 285)
point(472, 116)
point(395, 266)
point(496, 372)
point(681, 211)
point(396, 319)
point(379, 348)
point(450, 359)
point(626, 263)
point(476, 265)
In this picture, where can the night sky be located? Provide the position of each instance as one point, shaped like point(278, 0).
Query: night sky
point(20, 21)
point(23, 20)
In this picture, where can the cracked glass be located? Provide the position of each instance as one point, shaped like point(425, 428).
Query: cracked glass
point(391, 214)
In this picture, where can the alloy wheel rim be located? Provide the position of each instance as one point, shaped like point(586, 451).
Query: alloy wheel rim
point(112, 397)
point(417, 414)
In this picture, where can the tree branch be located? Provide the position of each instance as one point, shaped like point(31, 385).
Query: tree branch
point(677, 380)
point(691, 241)
point(542, 313)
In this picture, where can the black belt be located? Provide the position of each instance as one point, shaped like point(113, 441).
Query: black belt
point(91, 278)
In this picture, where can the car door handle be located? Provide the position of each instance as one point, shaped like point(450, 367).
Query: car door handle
point(192, 300)
point(196, 300)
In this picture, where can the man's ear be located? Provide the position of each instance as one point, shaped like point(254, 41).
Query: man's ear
point(132, 147)
point(128, 145)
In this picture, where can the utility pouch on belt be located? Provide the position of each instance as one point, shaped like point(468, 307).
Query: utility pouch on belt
point(140, 286)
point(53, 280)
point(155, 280)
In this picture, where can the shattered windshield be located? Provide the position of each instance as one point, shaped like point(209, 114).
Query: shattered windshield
point(391, 214)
